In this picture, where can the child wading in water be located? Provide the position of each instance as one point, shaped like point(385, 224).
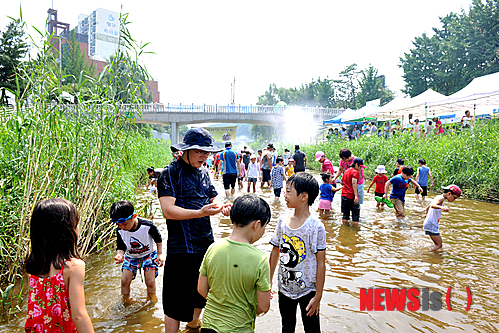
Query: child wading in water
point(253, 173)
point(434, 212)
point(300, 248)
point(278, 176)
point(400, 184)
point(56, 299)
point(235, 276)
point(422, 178)
point(137, 239)
point(327, 193)
point(380, 180)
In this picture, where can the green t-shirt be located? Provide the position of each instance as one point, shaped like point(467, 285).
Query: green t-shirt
point(235, 271)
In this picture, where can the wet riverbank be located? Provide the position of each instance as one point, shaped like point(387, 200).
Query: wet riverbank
point(380, 253)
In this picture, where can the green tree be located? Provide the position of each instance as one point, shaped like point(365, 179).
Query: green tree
point(372, 86)
point(74, 63)
point(13, 48)
point(465, 47)
point(262, 132)
point(270, 96)
point(346, 86)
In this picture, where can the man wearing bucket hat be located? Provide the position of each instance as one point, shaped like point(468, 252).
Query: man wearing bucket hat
point(434, 212)
point(186, 196)
point(327, 166)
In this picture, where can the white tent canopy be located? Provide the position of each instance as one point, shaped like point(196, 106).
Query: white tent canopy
point(482, 91)
point(366, 111)
point(341, 118)
point(401, 107)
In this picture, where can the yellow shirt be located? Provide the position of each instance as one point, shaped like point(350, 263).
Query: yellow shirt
point(291, 171)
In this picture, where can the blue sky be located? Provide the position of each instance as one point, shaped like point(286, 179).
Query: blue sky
point(200, 46)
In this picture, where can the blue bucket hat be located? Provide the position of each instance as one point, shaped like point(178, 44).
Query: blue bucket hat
point(197, 138)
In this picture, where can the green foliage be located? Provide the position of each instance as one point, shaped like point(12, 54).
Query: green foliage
point(74, 63)
point(91, 154)
point(463, 158)
point(465, 47)
point(262, 132)
point(330, 93)
point(13, 48)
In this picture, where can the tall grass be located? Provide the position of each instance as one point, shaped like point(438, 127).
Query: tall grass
point(91, 155)
point(469, 158)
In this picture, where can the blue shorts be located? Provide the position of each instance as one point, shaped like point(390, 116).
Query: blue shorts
point(432, 233)
point(148, 262)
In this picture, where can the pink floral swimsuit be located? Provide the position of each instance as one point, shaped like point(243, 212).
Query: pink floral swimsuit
point(48, 305)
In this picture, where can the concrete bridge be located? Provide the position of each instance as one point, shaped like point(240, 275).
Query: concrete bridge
point(188, 114)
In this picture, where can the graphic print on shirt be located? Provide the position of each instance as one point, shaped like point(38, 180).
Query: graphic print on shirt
point(293, 252)
point(137, 247)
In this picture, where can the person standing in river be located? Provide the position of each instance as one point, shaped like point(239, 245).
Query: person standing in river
point(187, 197)
point(300, 160)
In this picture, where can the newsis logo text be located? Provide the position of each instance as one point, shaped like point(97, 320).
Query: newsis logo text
point(413, 299)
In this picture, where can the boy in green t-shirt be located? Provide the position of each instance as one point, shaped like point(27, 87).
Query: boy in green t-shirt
point(235, 276)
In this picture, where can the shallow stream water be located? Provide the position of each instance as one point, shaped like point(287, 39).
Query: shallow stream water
point(380, 253)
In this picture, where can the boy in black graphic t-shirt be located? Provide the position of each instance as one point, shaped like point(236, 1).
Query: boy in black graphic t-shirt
point(137, 240)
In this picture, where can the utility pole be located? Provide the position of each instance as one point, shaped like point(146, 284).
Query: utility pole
point(234, 92)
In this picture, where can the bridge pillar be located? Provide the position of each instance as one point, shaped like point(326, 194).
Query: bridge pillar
point(174, 136)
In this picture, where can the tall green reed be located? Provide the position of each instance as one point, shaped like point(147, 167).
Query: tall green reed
point(91, 154)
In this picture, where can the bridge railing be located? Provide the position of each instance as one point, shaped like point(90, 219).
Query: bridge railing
point(149, 108)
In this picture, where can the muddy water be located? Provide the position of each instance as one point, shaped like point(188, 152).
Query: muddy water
point(380, 253)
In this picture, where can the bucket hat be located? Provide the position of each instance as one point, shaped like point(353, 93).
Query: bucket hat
point(318, 155)
point(380, 169)
point(197, 138)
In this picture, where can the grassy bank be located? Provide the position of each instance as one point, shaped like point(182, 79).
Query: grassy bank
point(468, 159)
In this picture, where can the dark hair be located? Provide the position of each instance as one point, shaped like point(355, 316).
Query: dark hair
point(121, 209)
point(304, 182)
point(53, 235)
point(259, 150)
point(150, 169)
point(228, 144)
point(325, 176)
point(408, 170)
point(344, 152)
point(400, 161)
point(249, 208)
point(422, 161)
point(278, 159)
point(358, 161)
point(430, 122)
point(286, 149)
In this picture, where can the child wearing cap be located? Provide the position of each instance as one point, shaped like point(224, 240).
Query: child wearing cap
point(253, 173)
point(400, 184)
point(327, 166)
point(380, 180)
point(434, 212)
point(137, 240)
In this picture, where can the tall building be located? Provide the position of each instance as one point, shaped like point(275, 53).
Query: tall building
point(98, 35)
point(102, 28)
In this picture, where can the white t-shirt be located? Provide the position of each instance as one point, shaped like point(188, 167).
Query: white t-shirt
point(297, 258)
point(253, 170)
point(467, 120)
point(431, 223)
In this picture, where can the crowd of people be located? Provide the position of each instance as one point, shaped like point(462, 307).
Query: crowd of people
point(229, 278)
point(392, 128)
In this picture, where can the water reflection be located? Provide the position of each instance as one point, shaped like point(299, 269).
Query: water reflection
point(381, 252)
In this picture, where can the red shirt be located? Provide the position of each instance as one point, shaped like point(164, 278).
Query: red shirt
point(347, 190)
point(216, 159)
point(380, 181)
